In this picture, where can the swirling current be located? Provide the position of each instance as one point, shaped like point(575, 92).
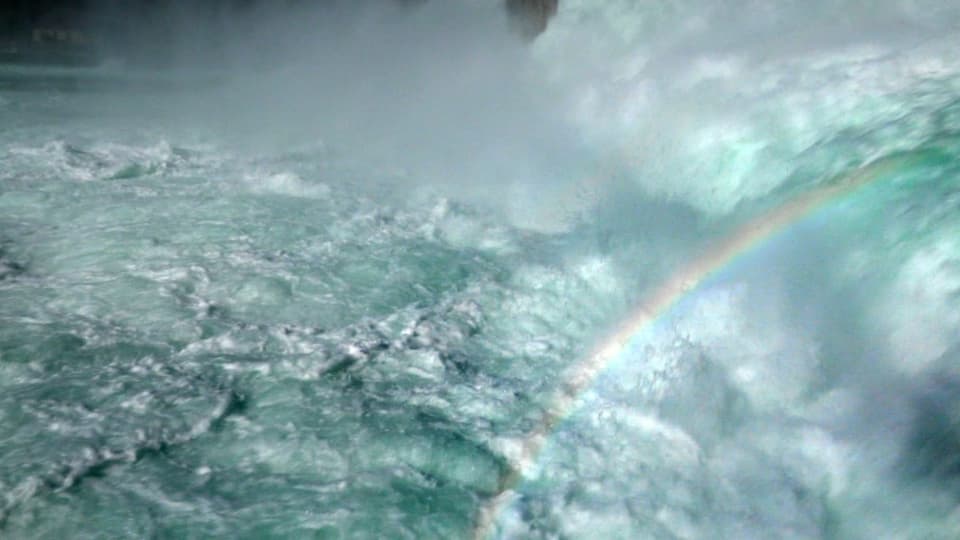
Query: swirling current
point(330, 297)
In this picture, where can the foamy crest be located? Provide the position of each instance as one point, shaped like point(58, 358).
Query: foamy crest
point(713, 111)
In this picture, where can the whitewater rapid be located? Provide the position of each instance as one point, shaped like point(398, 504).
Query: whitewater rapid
point(336, 297)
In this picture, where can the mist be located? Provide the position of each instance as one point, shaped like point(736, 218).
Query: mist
point(444, 96)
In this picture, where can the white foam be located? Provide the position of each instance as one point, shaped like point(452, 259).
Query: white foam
point(286, 183)
point(920, 314)
point(729, 114)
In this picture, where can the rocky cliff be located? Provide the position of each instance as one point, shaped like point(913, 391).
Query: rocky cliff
point(530, 17)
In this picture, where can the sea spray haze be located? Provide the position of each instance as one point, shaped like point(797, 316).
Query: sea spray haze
point(443, 92)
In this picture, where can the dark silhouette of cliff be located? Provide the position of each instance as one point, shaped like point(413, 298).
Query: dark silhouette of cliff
point(530, 17)
point(141, 32)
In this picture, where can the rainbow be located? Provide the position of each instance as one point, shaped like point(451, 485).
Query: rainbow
point(658, 303)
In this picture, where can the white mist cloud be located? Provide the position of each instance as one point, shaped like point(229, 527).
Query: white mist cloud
point(442, 95)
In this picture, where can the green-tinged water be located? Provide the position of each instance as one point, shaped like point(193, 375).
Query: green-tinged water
point(271, 334)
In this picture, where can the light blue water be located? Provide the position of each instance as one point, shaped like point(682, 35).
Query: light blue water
point(330, 300)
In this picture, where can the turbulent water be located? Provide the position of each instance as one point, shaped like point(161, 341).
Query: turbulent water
point(330, 298)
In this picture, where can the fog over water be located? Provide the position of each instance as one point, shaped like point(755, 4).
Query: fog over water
point(319, 271)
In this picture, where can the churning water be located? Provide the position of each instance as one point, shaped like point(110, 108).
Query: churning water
point(333, 296)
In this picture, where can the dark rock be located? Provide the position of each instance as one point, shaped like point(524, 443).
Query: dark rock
point(530, 17)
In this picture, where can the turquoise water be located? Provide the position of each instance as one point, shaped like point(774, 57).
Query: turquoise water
point(330, 300)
